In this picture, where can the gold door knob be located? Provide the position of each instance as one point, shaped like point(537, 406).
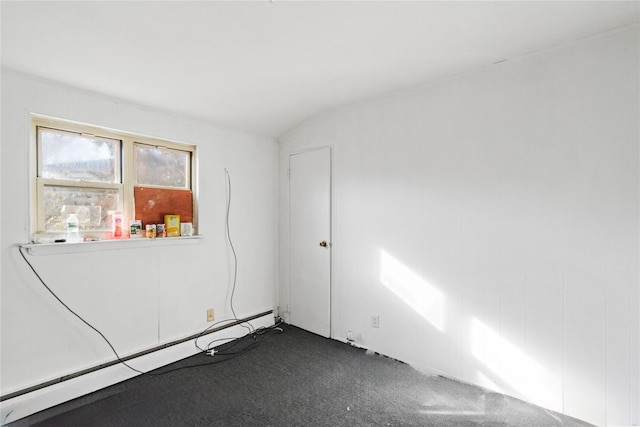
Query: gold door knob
point(323, 243)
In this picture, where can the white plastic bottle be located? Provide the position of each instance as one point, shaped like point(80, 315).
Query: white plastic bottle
point(73, 228)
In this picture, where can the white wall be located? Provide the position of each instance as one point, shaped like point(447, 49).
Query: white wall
point(138, 297)
point(491, 221)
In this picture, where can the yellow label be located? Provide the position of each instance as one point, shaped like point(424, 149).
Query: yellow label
point(172, 225)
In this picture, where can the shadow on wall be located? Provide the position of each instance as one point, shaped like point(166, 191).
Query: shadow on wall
point(504, 361)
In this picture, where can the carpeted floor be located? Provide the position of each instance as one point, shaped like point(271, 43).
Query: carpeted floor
point(295, 378)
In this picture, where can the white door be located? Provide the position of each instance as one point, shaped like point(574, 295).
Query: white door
point(309, 240)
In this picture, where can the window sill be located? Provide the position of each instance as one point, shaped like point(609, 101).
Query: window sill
point(106, 245)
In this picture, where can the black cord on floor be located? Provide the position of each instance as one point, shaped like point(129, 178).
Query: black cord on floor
point(224, 355)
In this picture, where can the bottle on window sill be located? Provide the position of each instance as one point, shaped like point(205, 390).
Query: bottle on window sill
point(73, 228)
point(118, 219)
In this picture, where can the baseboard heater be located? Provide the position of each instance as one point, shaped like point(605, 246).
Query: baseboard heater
point(129, 357)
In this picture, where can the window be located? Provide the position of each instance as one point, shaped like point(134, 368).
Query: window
point(79, 174)
point(162, 167)
point(96, 173)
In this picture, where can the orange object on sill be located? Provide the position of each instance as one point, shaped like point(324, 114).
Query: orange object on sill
point(152, 204)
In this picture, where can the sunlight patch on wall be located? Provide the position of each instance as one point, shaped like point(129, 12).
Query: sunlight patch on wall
point(413, 290)
point(513, 365)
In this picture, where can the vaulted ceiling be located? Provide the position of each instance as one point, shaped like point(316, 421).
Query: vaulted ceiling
point(265, 66)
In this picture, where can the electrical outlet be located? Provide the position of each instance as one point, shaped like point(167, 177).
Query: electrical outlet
point(210, 316)
point(375, 321)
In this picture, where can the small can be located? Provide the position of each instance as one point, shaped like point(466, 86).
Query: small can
point(135, 228)
point(161, 230)
point(151, 231)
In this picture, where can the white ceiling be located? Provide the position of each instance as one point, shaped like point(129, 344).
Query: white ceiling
point(263, 66)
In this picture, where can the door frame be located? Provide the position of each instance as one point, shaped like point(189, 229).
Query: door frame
point(331, 228)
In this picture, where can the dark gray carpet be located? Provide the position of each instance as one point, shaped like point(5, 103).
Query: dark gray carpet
point(295, 378)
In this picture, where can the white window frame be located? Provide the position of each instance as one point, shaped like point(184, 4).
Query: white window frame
point(126, 162)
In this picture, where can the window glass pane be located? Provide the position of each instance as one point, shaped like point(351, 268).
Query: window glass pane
point(91, 206)
point(78, 157)
point(161, 166)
